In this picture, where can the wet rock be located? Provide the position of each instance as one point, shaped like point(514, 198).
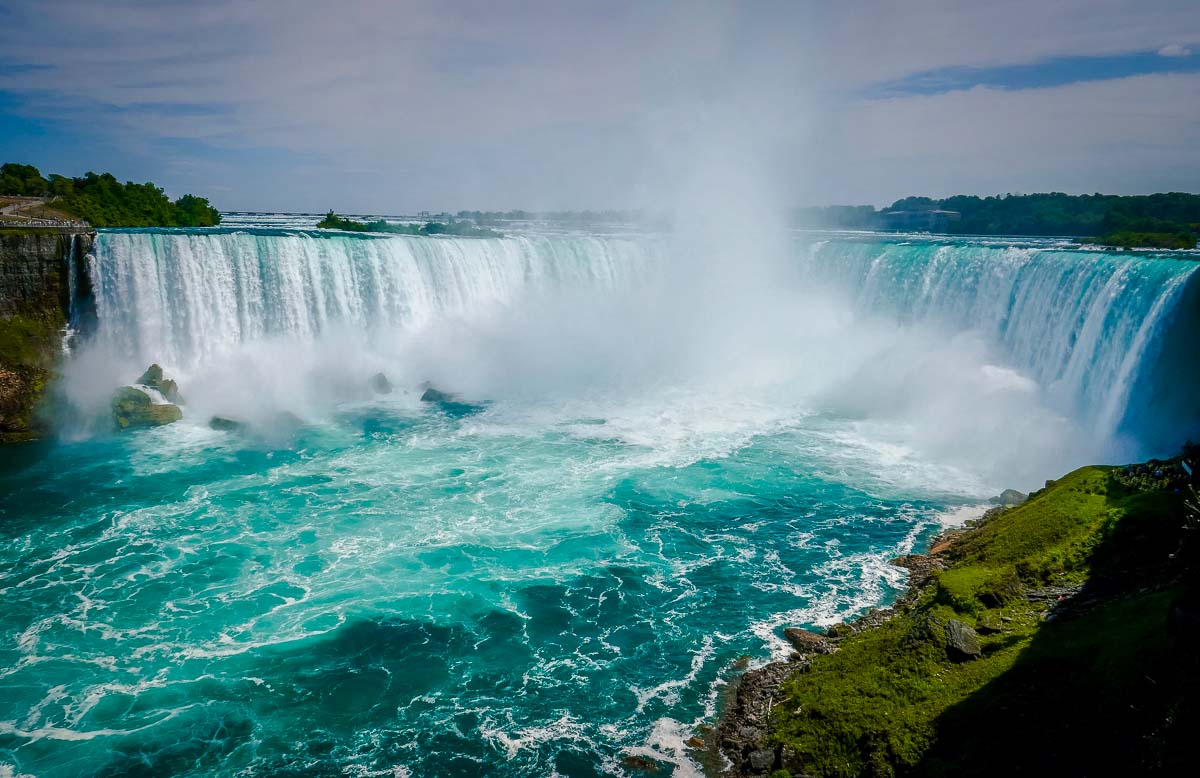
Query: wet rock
point(747, 713)
point(920, 567)
point(153, 378)
point(640, 763)
point(839, 631)
point(962, 643)
point(380, 384)
point(806, 642)
point(225, 424)
point(432, 395)
point(134, 406)
point(695, 741)
point(749, 734)
point(1010, 497)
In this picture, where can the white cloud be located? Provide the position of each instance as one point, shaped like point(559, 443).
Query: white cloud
point(475, 104)
point(1175, 50)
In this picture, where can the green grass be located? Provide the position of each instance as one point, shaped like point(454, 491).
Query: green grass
point(883, 703)
point(23, 339)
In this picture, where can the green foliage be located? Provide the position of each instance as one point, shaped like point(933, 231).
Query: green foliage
point(102, 201)
point(332, 221)
point(21, 338)
point(882, 704)
point(1149, 240)
point(22, 181)
point(1174, 214)
point(192, 211)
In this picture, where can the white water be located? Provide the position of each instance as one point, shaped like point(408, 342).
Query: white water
point(1022, 359)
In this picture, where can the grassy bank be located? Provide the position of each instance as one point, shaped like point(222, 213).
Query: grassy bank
point(1068, 597)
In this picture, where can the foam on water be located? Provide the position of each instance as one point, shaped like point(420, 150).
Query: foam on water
point(559, 571)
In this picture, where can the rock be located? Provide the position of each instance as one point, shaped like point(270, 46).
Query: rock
point(640, 763)
point(839, 631)
point(132, 406)
point(1010, 497)
point(432, 395)
point(380, 384)
point(961, 641)
point(749, 734)
point(695, 741)
point(806, 642)
point(225, 424)
point(153, 378)
point(762, 760)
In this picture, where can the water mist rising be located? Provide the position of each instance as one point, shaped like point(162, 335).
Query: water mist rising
point(956, 352)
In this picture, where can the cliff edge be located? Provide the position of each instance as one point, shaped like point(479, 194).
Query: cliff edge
point(40, 271)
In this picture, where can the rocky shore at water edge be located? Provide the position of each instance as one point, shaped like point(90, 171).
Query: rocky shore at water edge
point(1057, 634)
point(742, 734)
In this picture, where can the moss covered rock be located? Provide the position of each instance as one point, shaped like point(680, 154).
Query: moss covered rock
point(133, 407)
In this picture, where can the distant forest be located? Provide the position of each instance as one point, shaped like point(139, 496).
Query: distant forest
point(456, 227)
point(103, 201)
point(1159, 220)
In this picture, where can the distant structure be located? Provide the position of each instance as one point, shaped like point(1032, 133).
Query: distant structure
point(925, 220)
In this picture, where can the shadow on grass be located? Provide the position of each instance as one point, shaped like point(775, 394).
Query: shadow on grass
point(1110, 683)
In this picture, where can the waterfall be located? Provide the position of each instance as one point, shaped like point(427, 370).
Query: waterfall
point(1089, 326)
point(1094, 329)
point(182, 298)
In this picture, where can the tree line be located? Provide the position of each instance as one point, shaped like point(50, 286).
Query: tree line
point(1168, 220)
point(103, 201)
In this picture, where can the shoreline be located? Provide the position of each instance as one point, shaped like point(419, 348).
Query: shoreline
point(1070, 595)
point(738, 742)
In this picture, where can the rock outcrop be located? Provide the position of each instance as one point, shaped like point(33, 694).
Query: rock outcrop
point(150, 402)
point(135, 406)
point(38, 274)
point(432, 395)
point(380, 384)
point(1010, 497)
point(962, 643)
point(226, 424)
point(153, 378)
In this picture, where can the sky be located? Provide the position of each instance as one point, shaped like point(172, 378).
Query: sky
point(367, 106)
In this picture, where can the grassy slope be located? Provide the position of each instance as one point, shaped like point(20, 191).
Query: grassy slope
point(891, 701)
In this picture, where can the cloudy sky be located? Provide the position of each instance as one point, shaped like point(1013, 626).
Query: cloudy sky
point(373, 106)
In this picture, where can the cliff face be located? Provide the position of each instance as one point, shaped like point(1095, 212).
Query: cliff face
point(38, 275)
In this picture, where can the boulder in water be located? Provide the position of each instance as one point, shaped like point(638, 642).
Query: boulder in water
point(135, 406)
point(153, 378)
point(225, 424)
point(806, 642)
point(432, 395)
point(380, 384)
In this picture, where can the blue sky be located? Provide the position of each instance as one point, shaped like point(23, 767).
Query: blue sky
point(1052, 72)
point(381, 108)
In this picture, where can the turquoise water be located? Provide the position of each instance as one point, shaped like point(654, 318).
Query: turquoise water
point(454, 594)
point(555, 573)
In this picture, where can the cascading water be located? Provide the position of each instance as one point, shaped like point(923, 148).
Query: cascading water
point(1085, 325)
point(657, 465)
point(184, 298)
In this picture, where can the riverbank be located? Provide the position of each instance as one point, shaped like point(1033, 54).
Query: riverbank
point(1054, 636)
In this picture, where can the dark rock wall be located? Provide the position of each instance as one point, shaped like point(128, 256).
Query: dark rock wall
point(40, 271)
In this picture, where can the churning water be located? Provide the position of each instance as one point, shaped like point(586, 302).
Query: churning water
point(657, 461)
